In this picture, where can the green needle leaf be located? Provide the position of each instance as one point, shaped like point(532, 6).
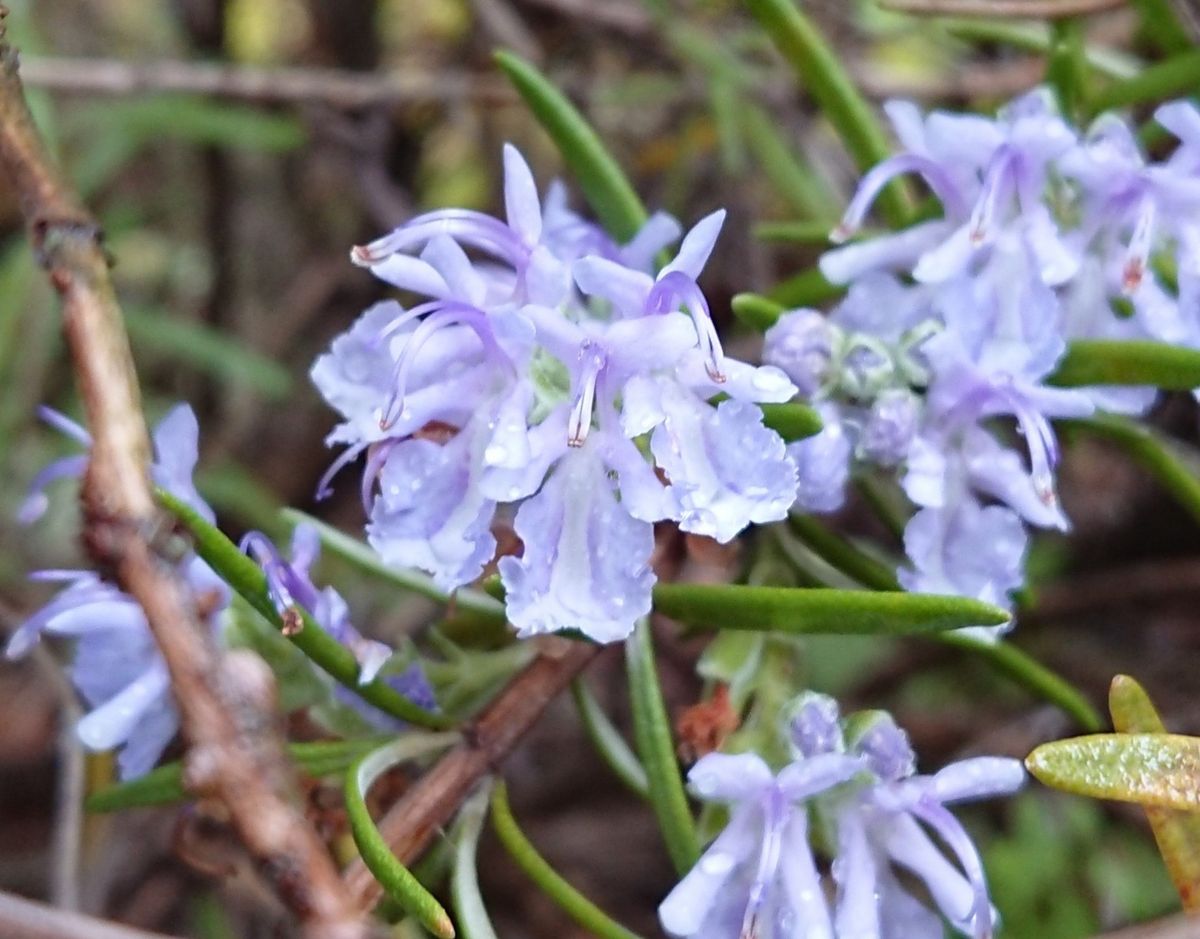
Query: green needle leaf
point(393, 876)
point(469, 908)
point(589, 916)
point(1152, 769)
point(1007, 659)
point(248, 580)
point(1178, 75)
point(608, 740)
point(1177, 833)
point(1132, 362)
point(841, 612)
point(164, 785)
point(606, 188)
point(656, 748)
point(791, 420)
point(824, 77)
point(756, 311)
point(808, 288)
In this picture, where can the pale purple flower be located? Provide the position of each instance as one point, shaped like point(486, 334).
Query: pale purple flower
point(586, 563)
point(758, 878)
point(290, 587)
point(115, 663)
point(990, 176)
point(823, 463)
point(1131, 209)
point(966, 549)
point(1000, 344)
point(552, 370)
point(890, 427)
point(886, 825)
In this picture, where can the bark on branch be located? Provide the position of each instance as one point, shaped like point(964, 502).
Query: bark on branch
point(235, 753)
point(411, 824)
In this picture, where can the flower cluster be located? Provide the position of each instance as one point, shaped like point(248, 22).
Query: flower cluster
point(1047, 235)
point(117, 667)
point(855, 782)
point(551, 370)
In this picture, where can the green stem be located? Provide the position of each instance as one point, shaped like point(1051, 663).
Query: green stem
point(1162, 25)
point(608, 741)
point(368, 561)
point(582, 910)
point(394, 877)
point(655, 746)
point(164, 785)
point(823, 75)
point(1031, 675)
point(841, 554)
point(249, 581)
point(1066, 70)
point(1005, 658)
point(1172, 463)
point(1038, 37)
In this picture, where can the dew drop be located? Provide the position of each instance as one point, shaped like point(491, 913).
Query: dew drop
point(716, 863)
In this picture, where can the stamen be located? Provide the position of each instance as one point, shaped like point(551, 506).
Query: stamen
point(348, 456)
point(677, 289)
point(35, 502)
point(447, 315)
point(1042, 445)
point(876, 180)
point(376, 456)
point(768, 863)
point(580, 421)
point(997, 181)
point(1138, 254)
point(463, 225)
point(64, 425)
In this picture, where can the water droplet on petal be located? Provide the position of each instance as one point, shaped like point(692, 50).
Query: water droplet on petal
point(716, 862)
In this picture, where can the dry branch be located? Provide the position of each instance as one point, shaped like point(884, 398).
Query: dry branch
point(334, 87)
point(235, 754)
point(411, 824)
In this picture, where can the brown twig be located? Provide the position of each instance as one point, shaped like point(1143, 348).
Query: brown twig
point(1007, 9)
point(234, 753)
point(335, 87)
point(628, 18)
point(410, 824)
point(25, 919)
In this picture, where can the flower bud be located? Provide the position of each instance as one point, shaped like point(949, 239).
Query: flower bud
point(802, 344)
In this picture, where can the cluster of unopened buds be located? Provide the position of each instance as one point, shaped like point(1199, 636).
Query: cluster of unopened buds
point(578, 386)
